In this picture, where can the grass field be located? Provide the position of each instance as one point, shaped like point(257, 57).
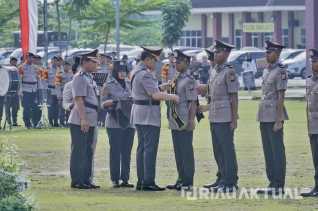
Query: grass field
point(46, 157)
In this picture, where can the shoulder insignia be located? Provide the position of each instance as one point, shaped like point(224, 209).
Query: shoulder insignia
point(232, 75)
point(282, 66)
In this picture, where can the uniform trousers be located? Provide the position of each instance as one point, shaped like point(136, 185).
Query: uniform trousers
point(148, 140)
point(53, 110)
point(29, 108)
point(1, 107)
point(183, 151)
point(121, 142)
point(314, 151)
point(274, 152)
point(224, 153)
point(12, 108)
point(81, 155)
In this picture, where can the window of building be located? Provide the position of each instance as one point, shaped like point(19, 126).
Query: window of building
point(238, 38)
point(285, 37)
point(268, 36)
point(302, 38)
point(190, 39)
point(255, 37)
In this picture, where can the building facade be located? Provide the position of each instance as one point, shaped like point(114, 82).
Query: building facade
point(225, 20)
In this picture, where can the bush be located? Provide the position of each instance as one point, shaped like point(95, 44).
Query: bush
point(9, 158)
point(15, 202)
point(11, 184)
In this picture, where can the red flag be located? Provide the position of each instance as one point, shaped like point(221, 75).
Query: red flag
point(29, 25)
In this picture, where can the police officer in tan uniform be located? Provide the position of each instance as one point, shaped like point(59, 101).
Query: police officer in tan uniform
point(117, 99)
point(29, 89)
point(312, 116)
point(83, 121)
point(223, 89)
point(182, 135)
point(271, 115)
point(146, 117)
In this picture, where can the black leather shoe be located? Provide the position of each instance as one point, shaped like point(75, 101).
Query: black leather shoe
point(312, 193)
point(93, 186)
point(213, 185)
point(115, 184)
point(80, 186)
point(139, 186)
point(271, 191)
point(152, 188)
point(174, 187)
point(226, 188)
point(126, 185)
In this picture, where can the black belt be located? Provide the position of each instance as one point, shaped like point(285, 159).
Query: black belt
point(51, 87)
point(89, 105)
point(147, 102)
point(27, 82)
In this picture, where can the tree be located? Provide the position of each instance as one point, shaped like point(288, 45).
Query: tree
point(100, 16)
point(175, 14)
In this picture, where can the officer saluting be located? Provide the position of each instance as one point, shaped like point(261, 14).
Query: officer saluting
point(222, 87)
point(182, 135)
point(312, 116)
point(83, 120)
point(271, 115)
point(146, 117)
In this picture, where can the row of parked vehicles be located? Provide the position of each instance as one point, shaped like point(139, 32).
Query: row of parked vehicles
point(294, 59)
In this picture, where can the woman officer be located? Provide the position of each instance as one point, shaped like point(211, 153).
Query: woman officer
point(117, 100)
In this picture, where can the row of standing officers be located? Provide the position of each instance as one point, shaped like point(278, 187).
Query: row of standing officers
point(134, 105)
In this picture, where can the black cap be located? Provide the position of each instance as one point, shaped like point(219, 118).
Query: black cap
point(313, 53)
point(106, 55)
point(273, 46)
point(153, 52)
point(210, 54)
point(29, 54)
point(90, 56)
point(219, 45)
point(181, 55)
point(57, 57)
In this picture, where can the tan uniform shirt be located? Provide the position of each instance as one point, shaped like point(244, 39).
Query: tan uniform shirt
point(223, 82)
point(312, 100)
point(274, 80)
point(83, 85)
point(144, 84)
point(186, 90)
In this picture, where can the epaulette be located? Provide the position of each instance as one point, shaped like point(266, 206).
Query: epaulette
point(228, 66)
point(282, 66)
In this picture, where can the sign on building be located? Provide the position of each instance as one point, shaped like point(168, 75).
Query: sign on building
point(258, 27)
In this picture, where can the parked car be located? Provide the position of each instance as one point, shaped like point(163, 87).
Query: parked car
point(17, 53)
point(296, 66)
point(290, 53)
point(4, 54)
point(50, 54)
point(237, 57)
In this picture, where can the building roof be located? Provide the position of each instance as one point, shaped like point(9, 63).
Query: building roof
point(245, 3)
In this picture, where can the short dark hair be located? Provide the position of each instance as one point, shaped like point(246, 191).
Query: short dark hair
point(13, 59)
point(145, 55)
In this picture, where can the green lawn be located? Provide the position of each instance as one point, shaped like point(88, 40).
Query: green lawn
point(46, 157)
